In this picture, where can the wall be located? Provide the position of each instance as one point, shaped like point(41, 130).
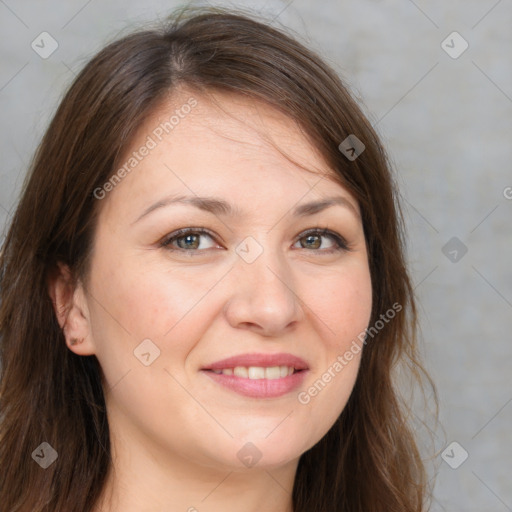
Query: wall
point(447, 122)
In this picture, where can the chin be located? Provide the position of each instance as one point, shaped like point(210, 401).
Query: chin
point(270, 452)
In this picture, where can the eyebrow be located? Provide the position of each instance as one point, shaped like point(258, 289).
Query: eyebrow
point(221, 207)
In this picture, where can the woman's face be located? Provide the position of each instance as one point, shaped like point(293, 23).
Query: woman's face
point(198, 332)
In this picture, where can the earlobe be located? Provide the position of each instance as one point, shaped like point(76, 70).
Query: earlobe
point(70, 309)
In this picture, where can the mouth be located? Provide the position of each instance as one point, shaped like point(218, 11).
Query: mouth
point(259, 375)
point(258, 372)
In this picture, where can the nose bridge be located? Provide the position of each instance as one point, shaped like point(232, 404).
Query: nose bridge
point(263, 296)
point(265, 269)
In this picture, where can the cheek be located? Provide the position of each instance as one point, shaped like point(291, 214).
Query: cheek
point(343, 302)
point(160, 304)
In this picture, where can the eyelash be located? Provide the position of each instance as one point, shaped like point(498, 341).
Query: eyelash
point(340, 244)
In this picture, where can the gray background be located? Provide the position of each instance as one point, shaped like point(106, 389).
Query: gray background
point(447, 124)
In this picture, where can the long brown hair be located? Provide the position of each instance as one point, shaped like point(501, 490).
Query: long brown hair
point(369, 460)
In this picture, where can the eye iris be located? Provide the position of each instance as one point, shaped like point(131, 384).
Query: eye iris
point(312, 242)
point(188, 242)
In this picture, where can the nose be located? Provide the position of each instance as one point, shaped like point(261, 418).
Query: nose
point(263, 297)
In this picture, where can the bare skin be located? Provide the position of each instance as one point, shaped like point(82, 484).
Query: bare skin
point(176, 433)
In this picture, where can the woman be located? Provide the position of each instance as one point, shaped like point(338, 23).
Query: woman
point(203, 289)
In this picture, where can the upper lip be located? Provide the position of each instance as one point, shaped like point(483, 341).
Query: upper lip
point(263, 360)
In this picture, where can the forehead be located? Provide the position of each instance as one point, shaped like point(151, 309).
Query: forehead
point(245, 124)
point(219, 143)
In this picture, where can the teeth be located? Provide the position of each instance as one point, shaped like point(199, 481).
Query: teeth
point(273, 372)
point(240, 371)
point(258, 372)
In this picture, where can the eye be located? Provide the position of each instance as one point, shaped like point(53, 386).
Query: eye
point(193, 240)
point(315, 239)
point(189, 239)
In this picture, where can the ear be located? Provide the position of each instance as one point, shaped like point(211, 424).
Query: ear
point(70, 306)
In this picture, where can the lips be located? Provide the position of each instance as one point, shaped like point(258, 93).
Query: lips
point(259, 375)
point(259, 360)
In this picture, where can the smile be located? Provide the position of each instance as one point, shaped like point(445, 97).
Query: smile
point(258, 372)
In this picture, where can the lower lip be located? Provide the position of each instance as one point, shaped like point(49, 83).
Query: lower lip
point(259, 388)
